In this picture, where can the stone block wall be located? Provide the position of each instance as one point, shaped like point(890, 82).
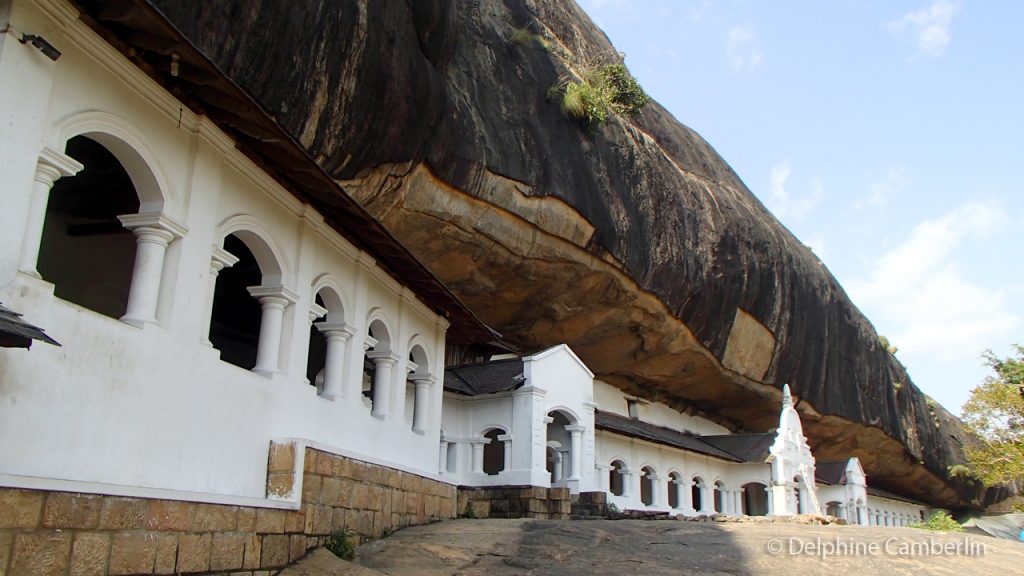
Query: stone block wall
point(514, 502)
point(49, 533)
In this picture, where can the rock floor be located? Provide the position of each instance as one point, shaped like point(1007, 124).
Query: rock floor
point(623, 547)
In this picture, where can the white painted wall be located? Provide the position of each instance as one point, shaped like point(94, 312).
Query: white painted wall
point(555, 379)
point(610, 399)
point(154, 407)
point(664, 460)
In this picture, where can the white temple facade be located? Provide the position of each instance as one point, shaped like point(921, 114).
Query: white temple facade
point(543, 420)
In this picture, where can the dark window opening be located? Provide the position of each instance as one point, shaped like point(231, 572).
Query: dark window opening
point(85, 251)
point(647, 487)
point(615, 483)
point(673, 491)
point(317, 357)
point(494, 453)
point(235, 319)
point(695, 496)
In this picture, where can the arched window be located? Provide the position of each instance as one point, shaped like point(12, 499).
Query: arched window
point(494, 453)
point(85, 251)
point(616, 480)
point(647, 476)
point(755, 499)
point(316, 357)
point(328, 340)
point(377, 365)
point(236, 316)
point(719, 488)
point(696, 494)
point(417, 389)
point(674, 482)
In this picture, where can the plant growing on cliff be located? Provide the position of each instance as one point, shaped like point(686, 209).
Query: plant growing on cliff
point(995, 414)
point(940, 520)
point(599, 92)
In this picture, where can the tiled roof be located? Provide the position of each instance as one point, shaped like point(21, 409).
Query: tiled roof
point(17, 333)
point(745, 447)
point(485, 378)
point(886, 494)
point(830, 472)
point(657, 434)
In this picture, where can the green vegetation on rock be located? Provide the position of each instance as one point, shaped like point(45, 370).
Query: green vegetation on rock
point(940, 520)
point(599, 92)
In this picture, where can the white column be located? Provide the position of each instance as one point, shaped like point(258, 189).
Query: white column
point(51, 166)
point(153, 233)
point(770, 492)
point(575, 450)
point(273, 301)
point(442, 458)
point(627, 483)
point(337, 335)
point(707, 499)
point(478, 455)
point(219, 260)
point(556, 467)
point(382, 362)
point(657, 490)
point(421, 401)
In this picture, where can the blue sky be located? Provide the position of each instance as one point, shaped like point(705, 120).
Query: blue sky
point(887, 135)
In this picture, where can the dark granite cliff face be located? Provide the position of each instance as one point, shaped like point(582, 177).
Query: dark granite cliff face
point(635, 243)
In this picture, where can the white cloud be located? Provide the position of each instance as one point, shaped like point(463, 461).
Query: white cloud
point(917, 295)
point(894, 183)
point(929, 26)
point(817, 245)
point(741, 48)
point(785, 205)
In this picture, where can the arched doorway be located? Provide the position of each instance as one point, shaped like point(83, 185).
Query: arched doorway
point(755, 499)
point(559, 439)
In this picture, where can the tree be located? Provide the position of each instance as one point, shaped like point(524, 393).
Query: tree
point(995, 414)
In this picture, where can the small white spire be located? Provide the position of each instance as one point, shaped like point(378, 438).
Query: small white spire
point(787, 397)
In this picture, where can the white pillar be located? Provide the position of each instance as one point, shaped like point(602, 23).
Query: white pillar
point(575, 450)
point(382, 362)
point(219, 259)
point(478, 455)
point(51, 166)
point(442, 458)
point(770, 493)
point(337, 335)
point(627, 483)
point(273, 301)
point(153, 233)
point(657, 486)
point(707, 499)
point(421, 401)
point(556, 467)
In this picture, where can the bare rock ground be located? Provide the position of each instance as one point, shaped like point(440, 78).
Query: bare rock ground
point(601, 547)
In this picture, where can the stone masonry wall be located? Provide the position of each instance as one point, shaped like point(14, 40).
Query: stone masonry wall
point(515, 502)
point(48, 533)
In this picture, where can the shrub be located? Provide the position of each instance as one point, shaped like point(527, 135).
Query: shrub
point(599, 92)
point(341, 545)
point(525, 37)
point(939, 520)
